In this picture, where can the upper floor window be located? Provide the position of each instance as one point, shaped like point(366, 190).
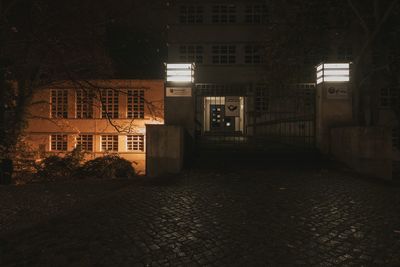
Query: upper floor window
point(191, 14)
point(85, 142)
point(262, 98)
point(59, 103)
point(109, 103)
point(136, 104)
point(256, 14)
point(224, 14)
point(253, 54)
point(223, 54)
point(84, 104)
point(135, 142)
point(109, 143)
point(389, 97)
point(58, 142)
point(191, 53)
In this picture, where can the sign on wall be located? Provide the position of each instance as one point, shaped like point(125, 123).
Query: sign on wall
point(337, 92)
point(232, 106)
point(178, 91)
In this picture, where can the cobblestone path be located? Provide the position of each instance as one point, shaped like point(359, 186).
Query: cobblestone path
point(212, 218)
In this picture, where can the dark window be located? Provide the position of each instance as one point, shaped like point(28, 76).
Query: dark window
point(109, 103)
point(389, 97)
point(256, 14)
point(59, 142)
point(253, 54)
point(135, 142)
point(84, 104)
point(223, 54)
point(191, 15)
point(109, 143)
point(262, 98)
point(191, 53)
point(136, 103)
point(224, 14)
point(59, 103)
point(85, 142)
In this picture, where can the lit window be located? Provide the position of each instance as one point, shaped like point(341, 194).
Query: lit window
point(58, 142)
point(84, 104)
point(135, 143)
point(191, 53)
point(136, 103)
point(223, 54)
point(253, 54)
point(59, 103)
point(191, 14)
point(389, 97)
point(262, 98)
point(224, 14)
point(85, 142)
point(109, 143)
point(256, 14)
point(109, 103)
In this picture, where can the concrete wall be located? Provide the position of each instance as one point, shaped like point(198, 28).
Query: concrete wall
point(367, 150)
point(165, 149)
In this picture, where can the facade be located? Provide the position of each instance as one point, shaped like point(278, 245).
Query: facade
point(100, 117)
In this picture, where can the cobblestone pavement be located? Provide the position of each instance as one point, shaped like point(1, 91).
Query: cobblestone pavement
point(213, 218)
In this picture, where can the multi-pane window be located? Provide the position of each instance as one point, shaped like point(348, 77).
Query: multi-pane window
point(84, 104)
point(262, 98)
point(135, 142)
point(396, 138)
point(191, 53)
point(253, 54)
point(256, 14)
point(59, 103)
point(224, 14)
point(109, 103)
point(109, 142)
point(136, 104)
point(223, 54)
point(389, 97)
point(345, 53)
point(58, 142)
point(191, 14)
point(85, 142)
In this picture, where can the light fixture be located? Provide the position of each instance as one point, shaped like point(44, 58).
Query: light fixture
point(333, 72)
point(180, 72)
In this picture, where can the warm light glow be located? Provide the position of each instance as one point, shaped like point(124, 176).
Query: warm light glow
point(333, 72)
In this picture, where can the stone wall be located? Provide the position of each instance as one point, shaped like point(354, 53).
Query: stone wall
point(367, 150)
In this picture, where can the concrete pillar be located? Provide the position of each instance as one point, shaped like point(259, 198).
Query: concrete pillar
point(333, 109)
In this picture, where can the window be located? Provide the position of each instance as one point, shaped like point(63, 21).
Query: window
point(84, 104)
point(224, 14)
point(256, 14)
point(191, 14)
point(389, 97)
point(59, 103)
point(109, 103)
point(85, 142)
point(253, 54)
point(191, 53)
point(396, 138)
point(58, 142)
point(109, 142)
point(136, 103)
point(262, 98)
point(345, 53)
point(135, 142)
point(224, 54)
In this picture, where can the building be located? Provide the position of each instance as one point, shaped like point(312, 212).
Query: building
point(101, 117)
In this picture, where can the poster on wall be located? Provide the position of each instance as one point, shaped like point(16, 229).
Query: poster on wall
point(232, 106)
point(178, 92)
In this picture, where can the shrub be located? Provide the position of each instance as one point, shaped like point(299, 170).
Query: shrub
point(108, 167)
point(55, 167)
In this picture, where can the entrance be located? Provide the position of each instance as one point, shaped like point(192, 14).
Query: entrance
point(219, 122)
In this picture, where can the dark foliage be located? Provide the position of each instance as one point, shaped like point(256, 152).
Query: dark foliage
point(107, 167)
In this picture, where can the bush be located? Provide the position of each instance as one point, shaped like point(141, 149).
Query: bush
point(55, 167)
point(108, 167)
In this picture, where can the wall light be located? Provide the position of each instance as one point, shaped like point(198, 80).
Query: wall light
point(333, 72)
point(180, 73)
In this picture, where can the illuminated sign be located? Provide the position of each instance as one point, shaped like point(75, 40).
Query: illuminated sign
point(180, 73)
point(333, 72)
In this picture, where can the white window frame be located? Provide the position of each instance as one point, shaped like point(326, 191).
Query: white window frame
point(109, 143)
point(135, 103)
point(135, 143)
point(59, 103)
point(85, 141)
point(110, 103)
point(58, 142)
point(84, 104)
